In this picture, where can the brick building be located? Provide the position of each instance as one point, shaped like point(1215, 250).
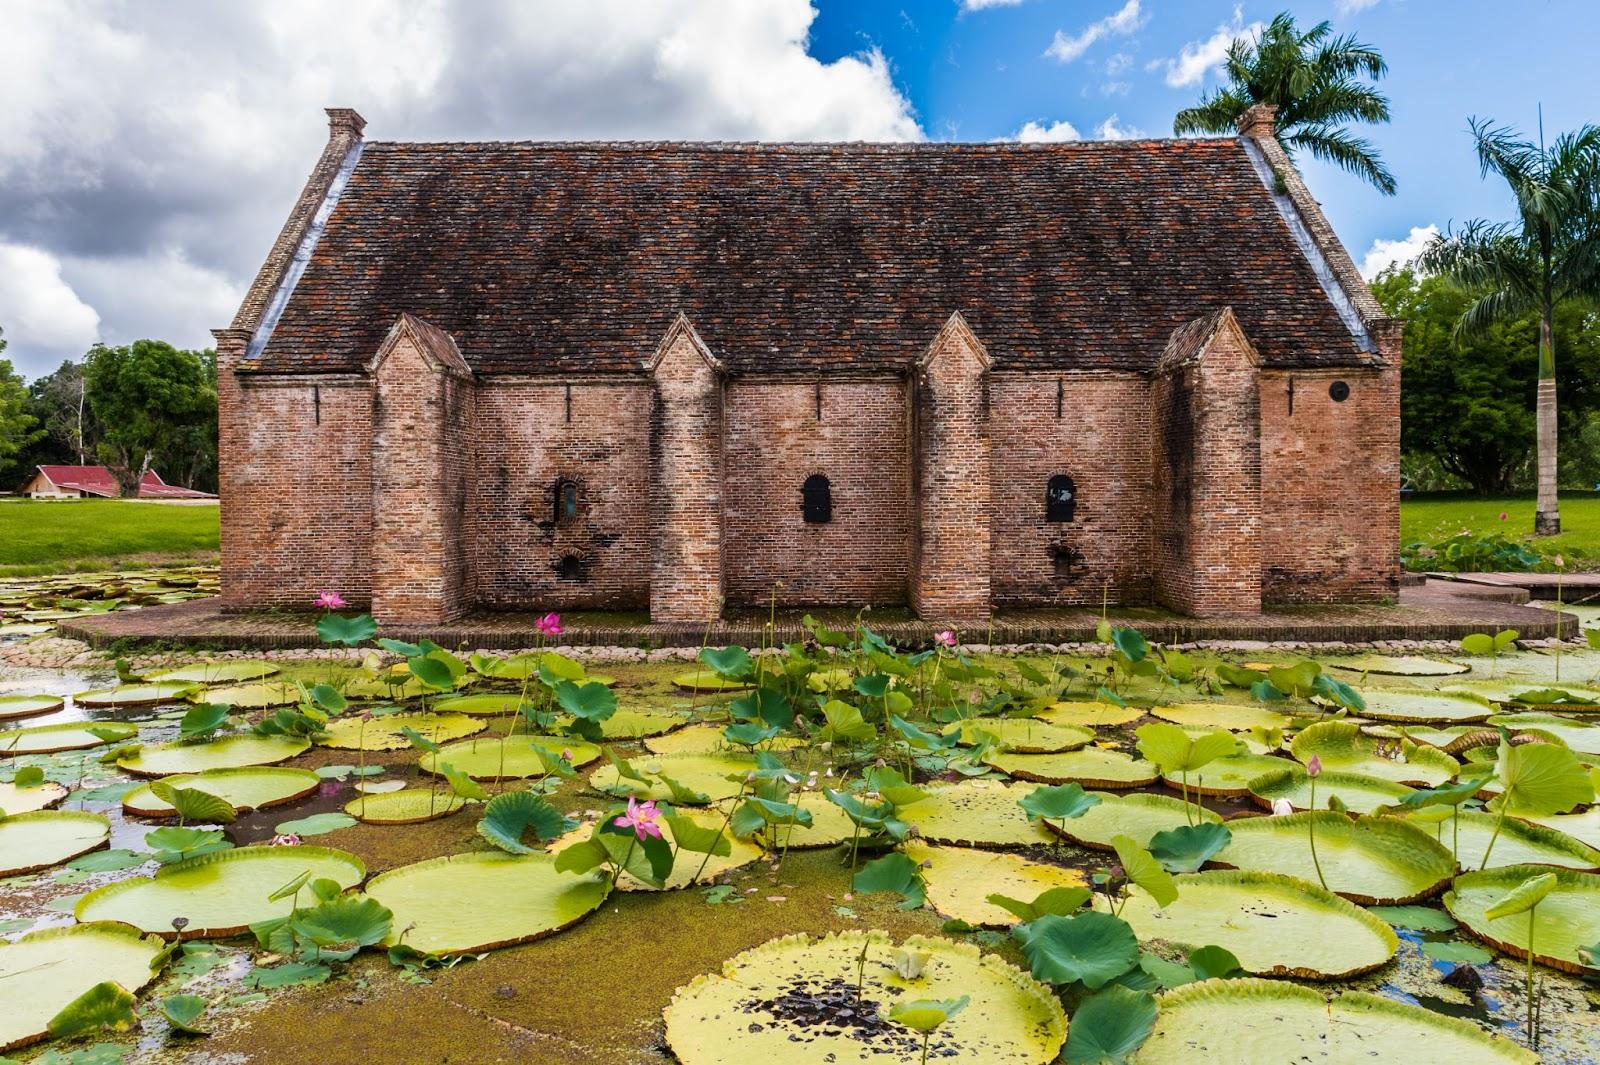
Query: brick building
point(492, 376)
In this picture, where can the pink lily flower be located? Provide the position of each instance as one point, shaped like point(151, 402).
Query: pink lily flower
point(549, 625)
point(947, 638)
point(1314, 766)
point(642, 817)
point(329, 601)
point(288, 839)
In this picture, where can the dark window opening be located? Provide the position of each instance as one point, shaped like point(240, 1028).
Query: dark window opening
point(570, 568)
point(566, 500)
point(1339, 391)
point(1060, 499)
point(816, 499)
point(1068, 560)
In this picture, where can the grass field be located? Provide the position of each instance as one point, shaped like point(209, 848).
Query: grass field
point(38, 536)
point(1431, 519)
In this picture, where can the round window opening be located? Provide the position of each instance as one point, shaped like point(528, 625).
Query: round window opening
point(1339, 391)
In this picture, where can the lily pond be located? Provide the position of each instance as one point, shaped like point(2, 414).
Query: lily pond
point(833, 851)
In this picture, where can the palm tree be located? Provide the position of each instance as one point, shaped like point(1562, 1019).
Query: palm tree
point(1317, 83)
point(1548, 254)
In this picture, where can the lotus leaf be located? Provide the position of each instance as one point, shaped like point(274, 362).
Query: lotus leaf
point(66, 736)
point(486, 704)
point(1423, 706)
point(1375, 861)
point(43, 838)
point(1400, 666)
point(59, 965)
point(511, 815)
point(1229, 776)
point(247, 788)
point(1187, 847)
point(1342, 746)
point(410, 806)
point(977, 813)
point(466, 903)
point(1094, 948)
point(959, 881)
point(1254, 1022)
point(1092, 767)
point(1582, 736)
point(14, 706)
point(1519, 843)
point(221, 894)
point(1137, 815)
point(183, 1012)
point(1359, 793)
point(1275, 925)
point(1541, 778)
point(383, 733)
point(1108, 1026)
point(690, 867)
point(229, 752)
point(1235, 717)
point(15, 799)
point(1022, 734)
point(1565, 922)
point(714, 776)
point(251, 696)
point(213, 673)
point(501, 758)
point(1090, 715)
point(738, 1016)
point(135, 694)
point(706, 681)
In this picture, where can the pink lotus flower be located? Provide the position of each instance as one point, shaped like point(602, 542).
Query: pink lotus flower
point(566, 754)
point(549, 625)
point(1314, 766)
point(1502, 515)
point(1282, 807)
point(329, 601)
point(946, 638)
point(642, 817)
point(288, 839)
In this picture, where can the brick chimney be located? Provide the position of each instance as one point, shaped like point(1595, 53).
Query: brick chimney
point(346, 122)
point(1258, 122)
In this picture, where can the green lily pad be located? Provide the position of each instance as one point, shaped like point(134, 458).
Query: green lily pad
point(1259, 1021)
point(829, 823)
point(1582, 736)
point(484, 704)
point(1022, 734)
point(135, 694)
point(467, 903)
point(627, 724)
point(959, 881)
point(1230, 776)
point(1461, 953)
point(57, 966)
point(976, 813)
point(1584, 826)
point(212, 673)
point(383, 733)
point(1533, 695)
point(498, 758)
point(1400, 666)
point(716, 776)
point(1419, 918)
point(1423, 734)
point(66, 736)
point(1341, 745)
point(707, 739)
point(1137, 815)
point(315, 824)
point(707, 681)
point(410, 806)
point(1093, 767)
point(42, 796)
point(1422, 706)
point(1375, 861)
point(690, 867)
point(229, 752)
point(1359, 793)
point(720, 1019)
point(1234, 717)
point(43, 838)
point(1564, 922)
point(15, 706)
point(221, 894)
point(1090, 715)
point(251, 696)
point(247, 788)
point(1519, 843)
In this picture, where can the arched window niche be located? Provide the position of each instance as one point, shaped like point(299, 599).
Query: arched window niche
point(566, 500)
point(1060, 499)
point(816, 500)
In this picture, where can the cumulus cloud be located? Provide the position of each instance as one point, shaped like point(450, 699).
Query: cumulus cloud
point(44, 319)
point(1126, 20)
point(1037, 133)
point(158, 194)
point(979, 5)
point(1198, 58)
point(1386, 253)
point(1350, 7)
point(1113, 130)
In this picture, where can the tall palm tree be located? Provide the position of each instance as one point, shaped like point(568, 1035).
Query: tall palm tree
point(1549, 253)
point(1317, 82)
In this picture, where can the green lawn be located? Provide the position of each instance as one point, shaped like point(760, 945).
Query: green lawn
point(1431, 519)
point(40, 536)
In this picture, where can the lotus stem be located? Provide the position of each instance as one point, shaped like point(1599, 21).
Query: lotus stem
point(726, 819)
point(1532, 1019)
point(616, 872)
point(1188, 818)
point(861, 968)
point(1311, 834)
point(925, 1037)
point(1501, 820)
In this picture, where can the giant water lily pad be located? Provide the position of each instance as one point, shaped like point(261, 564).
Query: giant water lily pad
point(17, 799)
point(228, 752)
point(1275, 925)
point(1533, 695)
point(15, 706)
point(66, 736)
point(1424, 734)
point(212, 673)
point(706, 681)
point(1400, 666)
point(1564, 922)
point(222, 893)
point(1226, 776)
point(829, 823)
point(43, 838)
point(1090, 715)
point(247, 788)
point(409, 806)
point(1519, 843)
point(484, 704)
point(1343, 746)
point(1374, 861)
point(1584, 826)
point(466, 903)
point(1582, 736)
point(1231, 716)
point(976, 813)
point(710, 777)
point(707, 739)
point(251, 696)
point(960, 880)
point(1136, 815)
point(500, 758)
point(1022, 734)
point(45, 971)
point(135, 694)
point(383, 733)
point(1359, 793)
point(773, 1003)
point(1422, 706)
point(1267, 1022)
point(627, 724)
point(690, 867)
point(1093, 767)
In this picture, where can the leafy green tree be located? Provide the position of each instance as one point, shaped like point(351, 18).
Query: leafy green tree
point(17, 430)
point(59, 402)
point(1547, 256)
point(1319, 83)
point(146, 397)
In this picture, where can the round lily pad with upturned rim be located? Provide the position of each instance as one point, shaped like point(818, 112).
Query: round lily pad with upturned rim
point(467, 903)
point(47, 970)
point(960, 880)
point(746, 1013)
point(221, 894)
point(1424, 734)
point(1341, 745)
point(1360, 793)
point(226, 752)
point(1374, 861)
point(243, 788)
point(1090, 715)
point(709, 774)
point(1251, 1021)
point(408, 806)
point(250, 696)
point(1399, 666)
point(627, 724)
point(1582, 736)
point(708, 739)
point(1024, 735)
point(15, 706)
point(481, 758)
point(42, 796)
point(1230, 776)
point(1423, 706)
point(1093, 767)
point(1564, 922)
point(1517, 694)
point(829, 823)
point(1235, 717)
point(42, 838)
point(707, 681)
point(1137, 815)
point(351, 733)
point(1275, 925)
point(64, 736)
point(146, 694)
point(1584, 827)
point(484, 704)
point(689, 867)
point(1519, 843)
point(212, 673)
point(976, 813)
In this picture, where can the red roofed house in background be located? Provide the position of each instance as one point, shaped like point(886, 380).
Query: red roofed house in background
point(83, 482)
point(536, 376)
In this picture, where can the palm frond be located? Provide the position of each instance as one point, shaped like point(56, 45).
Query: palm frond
point(1346, 151)
point(1217, 113)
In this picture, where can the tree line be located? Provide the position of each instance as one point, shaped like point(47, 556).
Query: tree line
point(132, 408)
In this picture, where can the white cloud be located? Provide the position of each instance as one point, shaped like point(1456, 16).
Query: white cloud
point(1386, 253)
point(979, 5)
point(45, 321)
point(1126, 20)
point(1035, 133)
point(1112, 130)
point(1350, 7)
point(159, 196)
point(1198, 58)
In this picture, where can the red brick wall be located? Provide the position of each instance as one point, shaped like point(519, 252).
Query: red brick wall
point(862, 445)
point(1102, 441)
point(686, 488)
point(523, 443)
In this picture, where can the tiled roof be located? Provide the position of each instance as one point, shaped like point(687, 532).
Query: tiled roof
point(577, 257)
point(97, 480)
